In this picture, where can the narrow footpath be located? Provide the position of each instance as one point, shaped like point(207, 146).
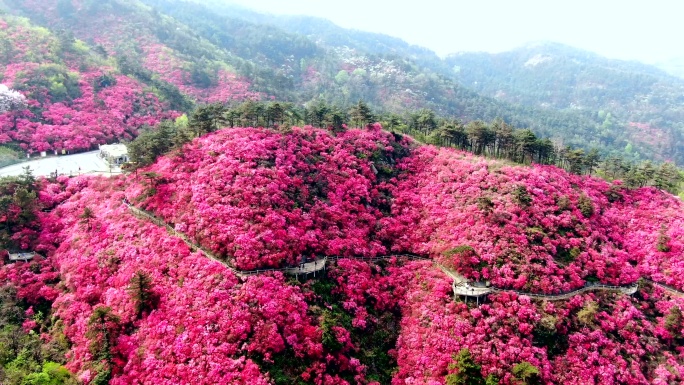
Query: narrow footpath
point(461, 286)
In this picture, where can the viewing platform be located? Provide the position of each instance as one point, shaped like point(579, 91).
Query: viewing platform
point(25, 257)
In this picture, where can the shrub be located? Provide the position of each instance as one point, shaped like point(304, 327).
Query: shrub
point(585, 206)
point(522, 197)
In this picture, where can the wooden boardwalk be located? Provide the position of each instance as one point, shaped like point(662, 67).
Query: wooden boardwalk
point(666, 288)
point(303, 269)
point(461, 286)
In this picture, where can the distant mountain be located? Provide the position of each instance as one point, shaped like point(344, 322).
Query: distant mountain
point(599, 100)
point(674, 66)
point(327, 33)
point(642, 101)
point(188, 52)
point(387, 72)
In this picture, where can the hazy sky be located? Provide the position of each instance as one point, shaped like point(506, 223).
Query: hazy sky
point(649, 30)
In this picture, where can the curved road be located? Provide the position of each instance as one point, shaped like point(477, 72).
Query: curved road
point(76, 164)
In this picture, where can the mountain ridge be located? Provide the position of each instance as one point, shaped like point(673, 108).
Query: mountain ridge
point(223, 58)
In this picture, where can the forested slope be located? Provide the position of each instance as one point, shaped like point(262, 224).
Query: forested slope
point(74, 97)
point(639, 100)
point(200, 54)
point(187, 53)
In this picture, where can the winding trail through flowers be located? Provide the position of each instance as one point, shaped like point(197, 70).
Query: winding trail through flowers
point(461, 286)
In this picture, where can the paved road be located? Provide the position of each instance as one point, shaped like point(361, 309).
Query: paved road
point(84, 163)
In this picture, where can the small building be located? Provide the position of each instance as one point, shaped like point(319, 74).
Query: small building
point(114, 154)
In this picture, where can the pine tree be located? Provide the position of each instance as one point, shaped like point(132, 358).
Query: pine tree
point(103, 330)
point(87, 217)
point(142, 293)
point(668, 178)
point(361, 114)
point(591, 160)
point(468, 372)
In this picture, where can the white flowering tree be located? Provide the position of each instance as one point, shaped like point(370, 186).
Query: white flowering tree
point(10, 99)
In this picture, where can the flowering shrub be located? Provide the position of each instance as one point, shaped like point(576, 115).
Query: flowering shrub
point(10, 99)
point(590, 339)
point(224, 88)
point(135, 38)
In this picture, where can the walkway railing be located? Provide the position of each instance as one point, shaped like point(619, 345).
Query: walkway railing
point(461, 286)
point(665, 287)
point(302, 269)
point(627, 289)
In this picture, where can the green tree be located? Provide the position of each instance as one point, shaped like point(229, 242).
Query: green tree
point(27, 179)
point(317, 112)
point(424, 120)
point(465, 371)
point(141, 290)
point(634, 177)
point(525, 142)
point(18, 206)
point(336, 119)
point(203, 74)
point(87, 217)
point(275, 113)
point(452, 133)
point(103, 329)
point(480, 136)
point(155, 142)
point(342, 77)
point(504, 138)
point(546, 151)
point(575, 159)
point(51, 374)
point(615, 167)
point(668, 178)
point(209, 118)
point(591, 160)
point(648, 171)
point(526, 373)
point(361, 114)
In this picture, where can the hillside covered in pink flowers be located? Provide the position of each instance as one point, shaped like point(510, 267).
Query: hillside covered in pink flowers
point(75, 98)
point(115, 298)
point(82, 94)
